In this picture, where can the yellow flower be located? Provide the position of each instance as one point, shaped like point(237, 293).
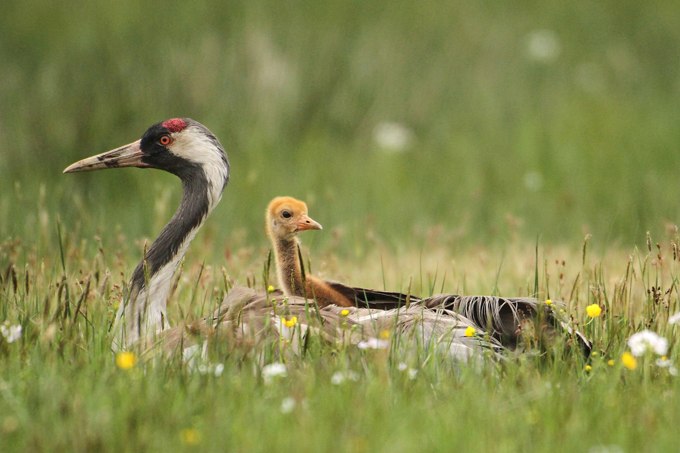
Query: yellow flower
point(470, 331)
point(344, 312)
point(385, 334)
point(594, 354)
point(611, 362)
point(190, 436)
point(629, 360)
point(290, 322)
point(588, 368)
point(593, 310)
point(548, 302)
point(126, 360)
point(270, 289)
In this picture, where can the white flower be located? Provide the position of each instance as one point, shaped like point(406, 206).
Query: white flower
point(605, 449)
point(196, 359)
point(533, 181)
point(341, 376)
point(663, 362)
point(273, 370)
point(215, 369)
point(402, 366)
point(287, 405)
point(412, 373)
point(645, 340)
point(393, 137)
point(338, 378)
point(374, 343)
point(543, 45)
point(674, 319)
point(11, 333)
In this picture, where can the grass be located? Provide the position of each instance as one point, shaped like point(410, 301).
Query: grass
point(61, 389)
point(509, 150)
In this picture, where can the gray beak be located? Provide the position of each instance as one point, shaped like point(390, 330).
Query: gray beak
point(125, 156)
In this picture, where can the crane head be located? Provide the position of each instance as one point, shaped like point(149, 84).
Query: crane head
point(172, 145)
point(286, 216)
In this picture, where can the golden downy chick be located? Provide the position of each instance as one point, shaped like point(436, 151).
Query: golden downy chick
point(285, 217)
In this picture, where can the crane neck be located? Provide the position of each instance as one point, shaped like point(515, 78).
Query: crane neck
point(144, 312)
point(289, 267)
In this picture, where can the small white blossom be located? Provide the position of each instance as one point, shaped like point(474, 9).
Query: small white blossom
point(641, 342)
point(402, 366)
point(533, 181)
point(412, 373)
point(274, 370)
point(674, 319)
point(215, 369)
point(341, 376)
point(605, 449)
point(663, 362)
point(392, 137)
point(196, 359)
point(374, 343)
point(11, 333)
point(287, 405)
point(543, 45)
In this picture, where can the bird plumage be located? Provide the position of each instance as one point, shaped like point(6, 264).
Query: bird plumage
point(285, 217)
point(508, 320)
point(189, 150)
point(247, 316)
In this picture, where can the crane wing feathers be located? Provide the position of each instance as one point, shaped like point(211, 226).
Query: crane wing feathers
point(371, 298)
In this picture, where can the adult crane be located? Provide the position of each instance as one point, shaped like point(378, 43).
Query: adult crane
point(187, 149)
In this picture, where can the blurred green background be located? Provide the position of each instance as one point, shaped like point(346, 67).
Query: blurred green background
point(489, 119)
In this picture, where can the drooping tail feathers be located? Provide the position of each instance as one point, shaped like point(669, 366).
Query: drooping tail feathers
point(508, 320)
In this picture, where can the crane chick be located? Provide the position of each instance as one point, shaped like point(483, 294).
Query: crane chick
point(286, 216)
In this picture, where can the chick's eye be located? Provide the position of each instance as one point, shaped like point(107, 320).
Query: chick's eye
point(286, 214)
point(165, 140)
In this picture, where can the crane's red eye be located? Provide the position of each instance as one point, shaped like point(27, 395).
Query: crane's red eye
point(165, 140)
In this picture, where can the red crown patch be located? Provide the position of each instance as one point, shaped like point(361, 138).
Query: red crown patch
point(174, 124)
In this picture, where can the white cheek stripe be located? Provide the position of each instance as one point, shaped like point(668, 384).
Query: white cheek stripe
point(193, 145)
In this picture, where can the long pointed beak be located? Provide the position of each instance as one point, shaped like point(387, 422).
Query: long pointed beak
point(307, 223)
point(125, 156)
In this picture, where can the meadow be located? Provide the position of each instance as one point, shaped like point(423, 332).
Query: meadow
point(527, 148)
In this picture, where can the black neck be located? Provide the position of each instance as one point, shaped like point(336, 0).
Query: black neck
point(190, 214)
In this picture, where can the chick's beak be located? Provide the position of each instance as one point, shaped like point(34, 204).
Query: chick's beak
point(307, 223)
point(125, 156)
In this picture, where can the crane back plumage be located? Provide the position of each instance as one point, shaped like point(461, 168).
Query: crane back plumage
point(507, 319)
point(247, 317)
